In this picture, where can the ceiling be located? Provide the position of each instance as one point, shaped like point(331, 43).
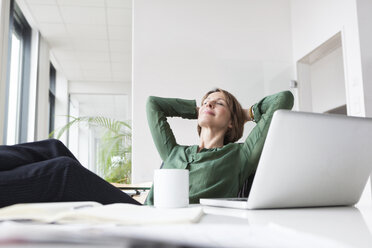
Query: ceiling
point(89, 39)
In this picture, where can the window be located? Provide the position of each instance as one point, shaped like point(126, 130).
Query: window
point(18, 78)
point(52, 97)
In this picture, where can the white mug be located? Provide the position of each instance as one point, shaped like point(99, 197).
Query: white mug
point(171, 188)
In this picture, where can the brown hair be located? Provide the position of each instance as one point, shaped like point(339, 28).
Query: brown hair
point(237, 116)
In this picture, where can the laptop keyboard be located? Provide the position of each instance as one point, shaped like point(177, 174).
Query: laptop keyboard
point(237, 199)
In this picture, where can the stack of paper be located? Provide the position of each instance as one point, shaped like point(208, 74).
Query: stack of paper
point(95, 213)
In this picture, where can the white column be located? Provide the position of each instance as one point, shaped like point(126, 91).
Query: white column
point(35, 37)
point(42, 114)
point(4, 33)
point(61, 107)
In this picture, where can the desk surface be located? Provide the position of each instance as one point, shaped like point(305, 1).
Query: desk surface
point(349, 226)
point(223, 227)
point(306, 227)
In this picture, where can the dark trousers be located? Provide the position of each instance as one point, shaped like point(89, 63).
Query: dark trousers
point(46, 171)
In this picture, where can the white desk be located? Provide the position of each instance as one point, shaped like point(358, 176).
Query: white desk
point(222, 227)
point(351, 226)
point(307, 227)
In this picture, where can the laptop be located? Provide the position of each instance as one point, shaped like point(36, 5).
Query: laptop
point(309, 160)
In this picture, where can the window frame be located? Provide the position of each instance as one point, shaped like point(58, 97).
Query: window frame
point(52, 96)
point(20, 27)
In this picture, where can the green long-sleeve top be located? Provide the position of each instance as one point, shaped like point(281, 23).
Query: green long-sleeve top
point(216, 172)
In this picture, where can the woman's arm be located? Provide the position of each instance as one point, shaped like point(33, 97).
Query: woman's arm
point(262, 113)
point(158, 109)
point(268, 105)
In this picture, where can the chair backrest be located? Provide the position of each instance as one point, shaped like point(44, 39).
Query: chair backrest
point(244, 191)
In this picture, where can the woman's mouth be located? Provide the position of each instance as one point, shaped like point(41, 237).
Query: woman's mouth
point(209, 112)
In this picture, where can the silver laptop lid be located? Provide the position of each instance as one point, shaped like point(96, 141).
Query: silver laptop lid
point(313, 160)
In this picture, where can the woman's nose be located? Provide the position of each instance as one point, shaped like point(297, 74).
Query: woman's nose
point(211, 104)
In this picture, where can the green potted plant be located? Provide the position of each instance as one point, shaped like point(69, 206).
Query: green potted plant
point(114, 153)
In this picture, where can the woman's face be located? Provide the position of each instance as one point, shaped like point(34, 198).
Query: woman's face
point(214, 112)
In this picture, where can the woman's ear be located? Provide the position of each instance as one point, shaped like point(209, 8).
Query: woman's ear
point(230, 124)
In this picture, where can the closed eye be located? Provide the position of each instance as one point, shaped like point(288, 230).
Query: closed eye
point(219, 103)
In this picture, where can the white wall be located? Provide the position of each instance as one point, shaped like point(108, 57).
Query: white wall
point(4, 30)
point(313, 23)
point(42, 102)
point(184, 48)
point(104, 88)
point(328, 82)
point(364, 8)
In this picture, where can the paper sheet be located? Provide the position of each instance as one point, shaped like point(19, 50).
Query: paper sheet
point(95, 213)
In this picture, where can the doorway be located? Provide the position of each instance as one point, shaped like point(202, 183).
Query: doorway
point(321, 79)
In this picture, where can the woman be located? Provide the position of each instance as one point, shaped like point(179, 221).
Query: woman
point(46, 171)
point(218, 166)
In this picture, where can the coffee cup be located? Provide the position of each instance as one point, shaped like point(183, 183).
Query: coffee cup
point(171, 188)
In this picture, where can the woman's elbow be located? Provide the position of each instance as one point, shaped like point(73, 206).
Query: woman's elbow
point(286, 100)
